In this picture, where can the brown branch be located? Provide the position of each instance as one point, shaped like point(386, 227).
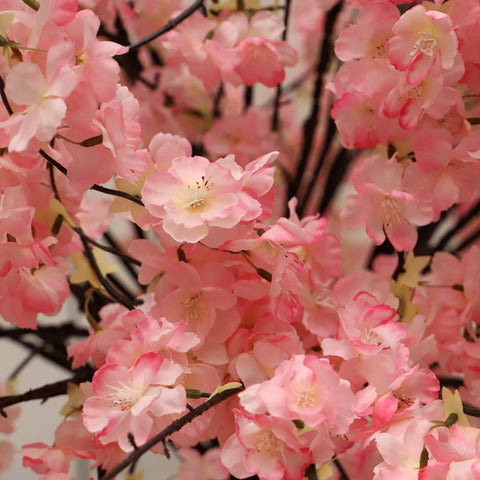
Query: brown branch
point(46, 391)
point(175, 426)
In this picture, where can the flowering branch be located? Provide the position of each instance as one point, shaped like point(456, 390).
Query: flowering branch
point(175, 426)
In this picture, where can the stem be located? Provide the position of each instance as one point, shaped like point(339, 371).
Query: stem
point(467, 242)
point(3, 95)
point(175, 426)
point(168, 26)
point(329, 134)
point(126, 259)
point(98, 188)
point(46, 391)
point(115, 251)
point(119, 297)
point(335, 176)
point(117, 193)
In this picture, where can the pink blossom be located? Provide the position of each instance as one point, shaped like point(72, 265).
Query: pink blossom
point(199, 295)
point(422, 37)
point(94, 63)
point(195, 195)
point(251, 51)
point(401, 448)
point(305, 388)
point(264, 446)
point(455, 453)
point(125, 399)
point(42, 95)
point(384, 207)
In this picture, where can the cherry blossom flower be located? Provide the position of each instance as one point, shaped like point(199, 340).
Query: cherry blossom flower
point(43, 96)
point(124, 399)
point(384, 207)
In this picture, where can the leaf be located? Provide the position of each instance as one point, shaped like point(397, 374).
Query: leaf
point(222, 388)
point(120, 204)
point(413, 267)
point(452, 403)
point(72, 408)
point(83, 271)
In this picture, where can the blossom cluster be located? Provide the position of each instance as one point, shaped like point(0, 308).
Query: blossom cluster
point(336, 344)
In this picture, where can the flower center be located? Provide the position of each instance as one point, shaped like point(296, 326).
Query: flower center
point(196, 193)
point(412, 93)
point(391, 212)
point(306, 395)
point(370, 337)
point(123, 397)
point(426, 44)
point(267, 442)
point(192, 306)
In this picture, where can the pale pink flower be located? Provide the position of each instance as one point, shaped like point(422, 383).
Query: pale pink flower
point(455, 452)
point(421, 38)
point(249, 51)
point(401, 448)
point(162, 337)
point(42, 95)
point(24, 294)
point(265, 446)
point(195, 195)
point(305, 388)
point(383, 206)
point(201, 296)
point(367, 328)
point(124, 399)
point(94, 64)
point(71, 440)
point(367, 38)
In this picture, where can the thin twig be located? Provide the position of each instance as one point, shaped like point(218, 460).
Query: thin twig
point(170, 25)
point(46, 391)
point(113, 250)
point(278, 94)
point(175, 426)
point(127, 302)
point(4, 97)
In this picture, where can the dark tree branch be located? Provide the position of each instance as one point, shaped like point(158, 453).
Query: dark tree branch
point(119, 297)
point(115, 251)
point(4, 97)
point(335, 176)
point(278, 94)
point(46, 391)
point(310, 124)
point(462, 222)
